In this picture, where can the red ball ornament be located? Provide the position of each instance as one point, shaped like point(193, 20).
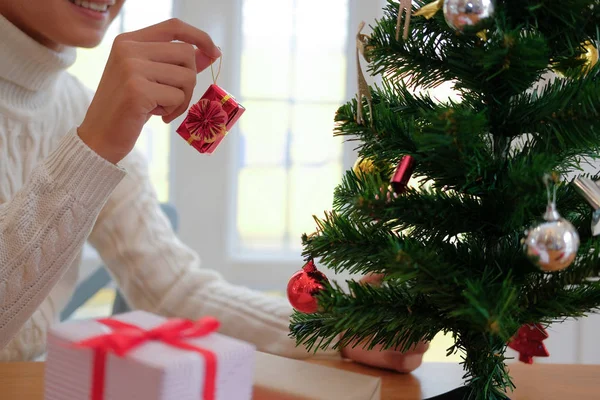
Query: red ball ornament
point(304, 286)
point(528, 342)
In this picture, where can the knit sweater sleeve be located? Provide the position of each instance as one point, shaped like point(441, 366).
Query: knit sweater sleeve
point(44, 225)
point(158, 273)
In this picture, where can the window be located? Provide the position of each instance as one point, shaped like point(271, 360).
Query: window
point(291, 64)
point(154, 144)
point(293, 78)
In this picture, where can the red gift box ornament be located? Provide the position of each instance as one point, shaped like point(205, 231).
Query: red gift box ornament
point(209, 120)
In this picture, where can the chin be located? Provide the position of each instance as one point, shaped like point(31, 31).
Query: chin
point(87, 40)
point(75, 26)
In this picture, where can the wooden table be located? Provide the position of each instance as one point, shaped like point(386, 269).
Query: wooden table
point(24, 381)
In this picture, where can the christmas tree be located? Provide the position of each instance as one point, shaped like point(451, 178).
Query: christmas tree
point(474, 246)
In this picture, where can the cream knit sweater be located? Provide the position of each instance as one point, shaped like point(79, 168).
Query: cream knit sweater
point(56, 193)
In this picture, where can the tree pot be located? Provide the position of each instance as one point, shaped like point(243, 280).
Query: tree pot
point(461, 393)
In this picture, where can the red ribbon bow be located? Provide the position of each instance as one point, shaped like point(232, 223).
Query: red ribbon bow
point(126, 337)
point(206, 121)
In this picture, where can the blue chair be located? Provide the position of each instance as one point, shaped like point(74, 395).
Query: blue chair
point(101, 278)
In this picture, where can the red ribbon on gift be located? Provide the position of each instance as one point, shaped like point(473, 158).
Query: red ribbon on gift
point(206, 121)
point(126, 337)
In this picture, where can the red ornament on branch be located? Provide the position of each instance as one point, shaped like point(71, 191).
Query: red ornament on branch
point(402, 174)
point(303, 286)
point(528, 342)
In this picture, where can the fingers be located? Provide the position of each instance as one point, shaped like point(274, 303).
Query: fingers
point(407, 361)
point(175, 29)
point(175, 76)
point(421, 347)
point(179, 54)
point(402, 362)
point(372, 279)
point(373, 357)
point(165, 96)
point(182, 54)
point(203, 61)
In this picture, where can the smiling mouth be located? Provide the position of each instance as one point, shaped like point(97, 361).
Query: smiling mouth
point(93, 6)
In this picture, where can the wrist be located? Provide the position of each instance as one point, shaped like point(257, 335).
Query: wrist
point(98, 147)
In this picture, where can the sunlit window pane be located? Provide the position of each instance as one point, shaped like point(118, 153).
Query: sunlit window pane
point(138, 14)
point(312, 134)
point(320, 76)
point(311, 193)
point(264, 132)
point(293, 79)
point(267, 18)
point(261, 207)
point(266, 73)
point(266, 51)
point(321, 25)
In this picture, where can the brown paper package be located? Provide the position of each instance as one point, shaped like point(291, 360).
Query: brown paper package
point(278, 378)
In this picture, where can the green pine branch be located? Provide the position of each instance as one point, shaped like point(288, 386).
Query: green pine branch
point(565, 23)
point(450, 247)
point(356, 317)
point(561, 117)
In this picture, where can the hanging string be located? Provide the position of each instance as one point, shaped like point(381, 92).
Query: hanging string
point(550, 181)
point(363, 86)
point(218, 71)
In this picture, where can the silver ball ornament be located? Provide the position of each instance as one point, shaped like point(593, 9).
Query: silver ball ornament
point(553, 244)
point(460, 14)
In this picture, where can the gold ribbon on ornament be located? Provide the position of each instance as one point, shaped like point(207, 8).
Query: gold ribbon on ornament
point(225, 99)
point(428, 11)
point(193, 137)
point(363, 86)
point(404, 8)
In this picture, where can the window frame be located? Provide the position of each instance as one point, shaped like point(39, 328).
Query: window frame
point(208, 221)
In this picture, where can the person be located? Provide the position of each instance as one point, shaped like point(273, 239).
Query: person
point(69, 174)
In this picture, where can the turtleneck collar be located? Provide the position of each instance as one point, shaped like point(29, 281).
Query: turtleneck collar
point(28, 67)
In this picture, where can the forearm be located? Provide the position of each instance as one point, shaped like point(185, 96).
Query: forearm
point(165, 277)
point(245, 314)
point(44, 226)
point(158, 273)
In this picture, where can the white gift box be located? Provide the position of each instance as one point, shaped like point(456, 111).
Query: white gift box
point(151, 371)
